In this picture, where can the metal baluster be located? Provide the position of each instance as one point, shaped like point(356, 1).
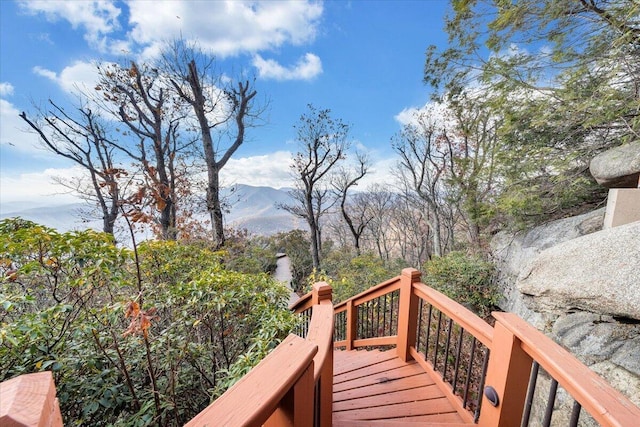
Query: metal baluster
point(575, 414)
point(457, 368)
point(533, 379)
point(418, 334)
point(469, 371)
point(446, 350)
point(426, 342)
point(392, 314)
point(378, 317)
point(384, 315)
point(550, 403)
point(435, 353)
point(483, 376)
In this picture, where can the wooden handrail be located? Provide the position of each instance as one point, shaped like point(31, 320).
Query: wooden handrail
point(30, 400)
point(517, 344)
point(320, 333)
point(302, 303)
point(280, 390)
point(371, 293)
point(459, 313)
point(281, 381)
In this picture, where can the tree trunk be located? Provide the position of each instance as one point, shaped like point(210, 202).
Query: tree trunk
point(214, 206)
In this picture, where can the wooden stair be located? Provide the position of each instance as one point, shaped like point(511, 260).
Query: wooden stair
point(377, 388)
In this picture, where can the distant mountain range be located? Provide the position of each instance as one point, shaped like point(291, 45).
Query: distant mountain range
point(251, 208)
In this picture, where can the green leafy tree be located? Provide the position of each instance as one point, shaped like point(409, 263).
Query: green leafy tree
point(562, 73)
point(144, 337)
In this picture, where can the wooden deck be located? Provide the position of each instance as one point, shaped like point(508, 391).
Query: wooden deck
point(309, 381)
point(376, 387)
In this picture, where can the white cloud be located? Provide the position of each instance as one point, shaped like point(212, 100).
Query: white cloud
point(271, 170)
point(306, 68)
point(6, 89)
point(96, 18)
point(380, 173)
point(13, 130)
point(38, 187)
point(225, 28)
point(435, 111)
point(80, 75)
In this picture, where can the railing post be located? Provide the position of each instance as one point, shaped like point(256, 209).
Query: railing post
point(322, 293)
point(508, 374)
point(351, 325)
point(30, 400)
point(407, 313)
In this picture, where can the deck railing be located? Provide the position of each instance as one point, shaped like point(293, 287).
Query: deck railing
point(518, 351)
point(292, 386)
point(467, 354)
point(490, 374)
point(445, 338)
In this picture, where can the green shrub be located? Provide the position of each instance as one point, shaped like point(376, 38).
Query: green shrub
point(466, 279)
point(130, 343)
point(352, 275)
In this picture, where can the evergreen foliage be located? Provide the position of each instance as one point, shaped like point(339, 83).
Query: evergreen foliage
point(146, 342)
point(468, 280)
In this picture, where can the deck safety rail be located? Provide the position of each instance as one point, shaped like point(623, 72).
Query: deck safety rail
point(320, 332)
point(518, 351)
point(292, 386)
point(466, 353)
point(446, 339)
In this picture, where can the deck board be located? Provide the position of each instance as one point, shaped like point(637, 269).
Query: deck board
point(376, 386)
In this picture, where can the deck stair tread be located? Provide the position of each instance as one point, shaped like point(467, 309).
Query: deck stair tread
point(377, 388)
point(395, 423)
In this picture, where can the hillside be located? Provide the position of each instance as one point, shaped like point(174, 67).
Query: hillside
point(251, 208)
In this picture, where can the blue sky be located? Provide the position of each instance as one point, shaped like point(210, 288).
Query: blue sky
point(361, 59)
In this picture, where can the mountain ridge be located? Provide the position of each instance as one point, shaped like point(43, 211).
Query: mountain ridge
point(253, 208)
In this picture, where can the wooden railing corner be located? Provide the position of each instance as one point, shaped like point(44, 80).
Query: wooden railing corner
point(30, 400)
point(407, 313)
point(508, 376)
point(322, 291)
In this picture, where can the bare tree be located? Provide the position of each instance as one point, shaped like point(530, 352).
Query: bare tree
point(422, 168)
point(356, 215)
point(144, 103)
point(84, 141)
point(222, 110)
point(380, 203)
point(323, 144)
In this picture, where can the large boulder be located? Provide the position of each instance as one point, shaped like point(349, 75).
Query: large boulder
point(598, 273)
point(580, 285)
point(514, 253)
point(618, 167)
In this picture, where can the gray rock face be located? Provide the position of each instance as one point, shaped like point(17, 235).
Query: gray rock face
point(514, 253)
point(581, 286)
point(618, 167)
point(599, 273)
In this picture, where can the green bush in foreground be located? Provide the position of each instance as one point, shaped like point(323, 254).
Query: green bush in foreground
point(130, 343)
point(464, 278)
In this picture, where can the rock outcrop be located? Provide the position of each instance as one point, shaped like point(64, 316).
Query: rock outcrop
point(581, 286)
point(618, 167)
point(598, 273)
